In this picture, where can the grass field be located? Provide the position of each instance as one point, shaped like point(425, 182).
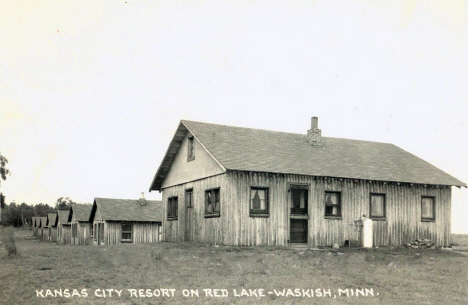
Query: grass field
point(460, 239)
point(395, 275)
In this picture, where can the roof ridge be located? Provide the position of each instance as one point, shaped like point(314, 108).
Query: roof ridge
point(283, 132)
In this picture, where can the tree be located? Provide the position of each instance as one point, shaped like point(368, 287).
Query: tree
point(63, 203)
point(4, 172)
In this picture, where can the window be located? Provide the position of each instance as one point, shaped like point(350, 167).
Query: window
point(258, 201)
point(190, 152)
point(126, 232)
point(172, 207)
point(212, 203)
point(427, 208)
point(332, 204)
point(188, 198)
point(299, 199)
point(377, 205)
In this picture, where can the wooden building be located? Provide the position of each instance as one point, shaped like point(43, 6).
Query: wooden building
point(43, 230)
point(241, 186)
point(80, 225)
point(52, 226)
point(34, 225)
point(118, 221)
point(63, 227)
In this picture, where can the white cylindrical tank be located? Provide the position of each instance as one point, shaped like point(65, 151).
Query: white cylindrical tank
point(366, 232)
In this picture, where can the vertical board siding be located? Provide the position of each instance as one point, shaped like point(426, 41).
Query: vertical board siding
point(53, 234)
point(235, 226)
point(142, 232)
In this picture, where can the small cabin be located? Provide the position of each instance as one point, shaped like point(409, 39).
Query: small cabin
point(63, 227)
point(80, 225)
point(44, 231)
point(34, 226)
point(118, 221)
point(52, 226)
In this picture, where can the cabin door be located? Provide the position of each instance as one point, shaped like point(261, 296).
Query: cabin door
point(298, 219)
point(188, 215)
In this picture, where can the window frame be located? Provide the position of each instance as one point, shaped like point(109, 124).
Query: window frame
point(426, 219)
point(303, 187)
point(384, 217)
point(339, 215)
point(171, 200)
point(187, 203)
point(260, 213)
point(126, 232)
point(190, 148)
point(212, 214)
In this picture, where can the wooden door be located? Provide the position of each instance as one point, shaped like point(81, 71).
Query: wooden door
point(298, 230)
point(188, 215)
point(299, 211)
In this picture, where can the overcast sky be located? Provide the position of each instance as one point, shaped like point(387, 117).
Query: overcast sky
point(91, 92)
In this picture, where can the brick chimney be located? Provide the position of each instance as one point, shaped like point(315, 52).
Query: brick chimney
point(314, 135)
point(142, 199)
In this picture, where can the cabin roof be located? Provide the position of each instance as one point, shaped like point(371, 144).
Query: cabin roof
point(43, 222)
point(33, 220)
point(247, 149)
point(52, 219)
point(62, 216)
point(128, 210)
point(81, 212)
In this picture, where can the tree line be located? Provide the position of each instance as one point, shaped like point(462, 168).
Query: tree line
point(19, 215)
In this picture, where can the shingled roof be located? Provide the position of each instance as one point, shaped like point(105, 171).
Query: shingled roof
point(43, 222)
point(62, 216)
point(52, 219)
point(128, 210)
point(246, 149)
point(33, 220)
point(81, 212)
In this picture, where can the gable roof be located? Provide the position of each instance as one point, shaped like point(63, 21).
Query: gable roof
point(52, 219)
point(62, 216)
point(43, 222)
point(81, 212)
point(247, 149)
point(33, 220)
point(128, 210)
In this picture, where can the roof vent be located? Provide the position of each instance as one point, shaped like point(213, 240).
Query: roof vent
point(142, 199)
point(314, 135)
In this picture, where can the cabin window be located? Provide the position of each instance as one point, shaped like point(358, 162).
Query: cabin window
point(126, 232)
point(189, 198)
point(333, 204)
point(172, 208)
point(427, 208)
point(190, 151)
point(299, 199)
point(258, 201)
point(377, 206)
point(212, 203)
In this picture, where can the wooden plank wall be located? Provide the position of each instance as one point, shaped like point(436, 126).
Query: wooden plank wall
point(84, 233)
point(142, 232)
point(208, 230)
point(66, 235)
point(45, 234)
point(236, 227)
point(53, 235)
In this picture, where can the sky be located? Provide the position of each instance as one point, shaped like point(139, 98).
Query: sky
point(91, 92)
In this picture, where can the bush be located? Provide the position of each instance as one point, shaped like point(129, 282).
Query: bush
point(7, 241)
